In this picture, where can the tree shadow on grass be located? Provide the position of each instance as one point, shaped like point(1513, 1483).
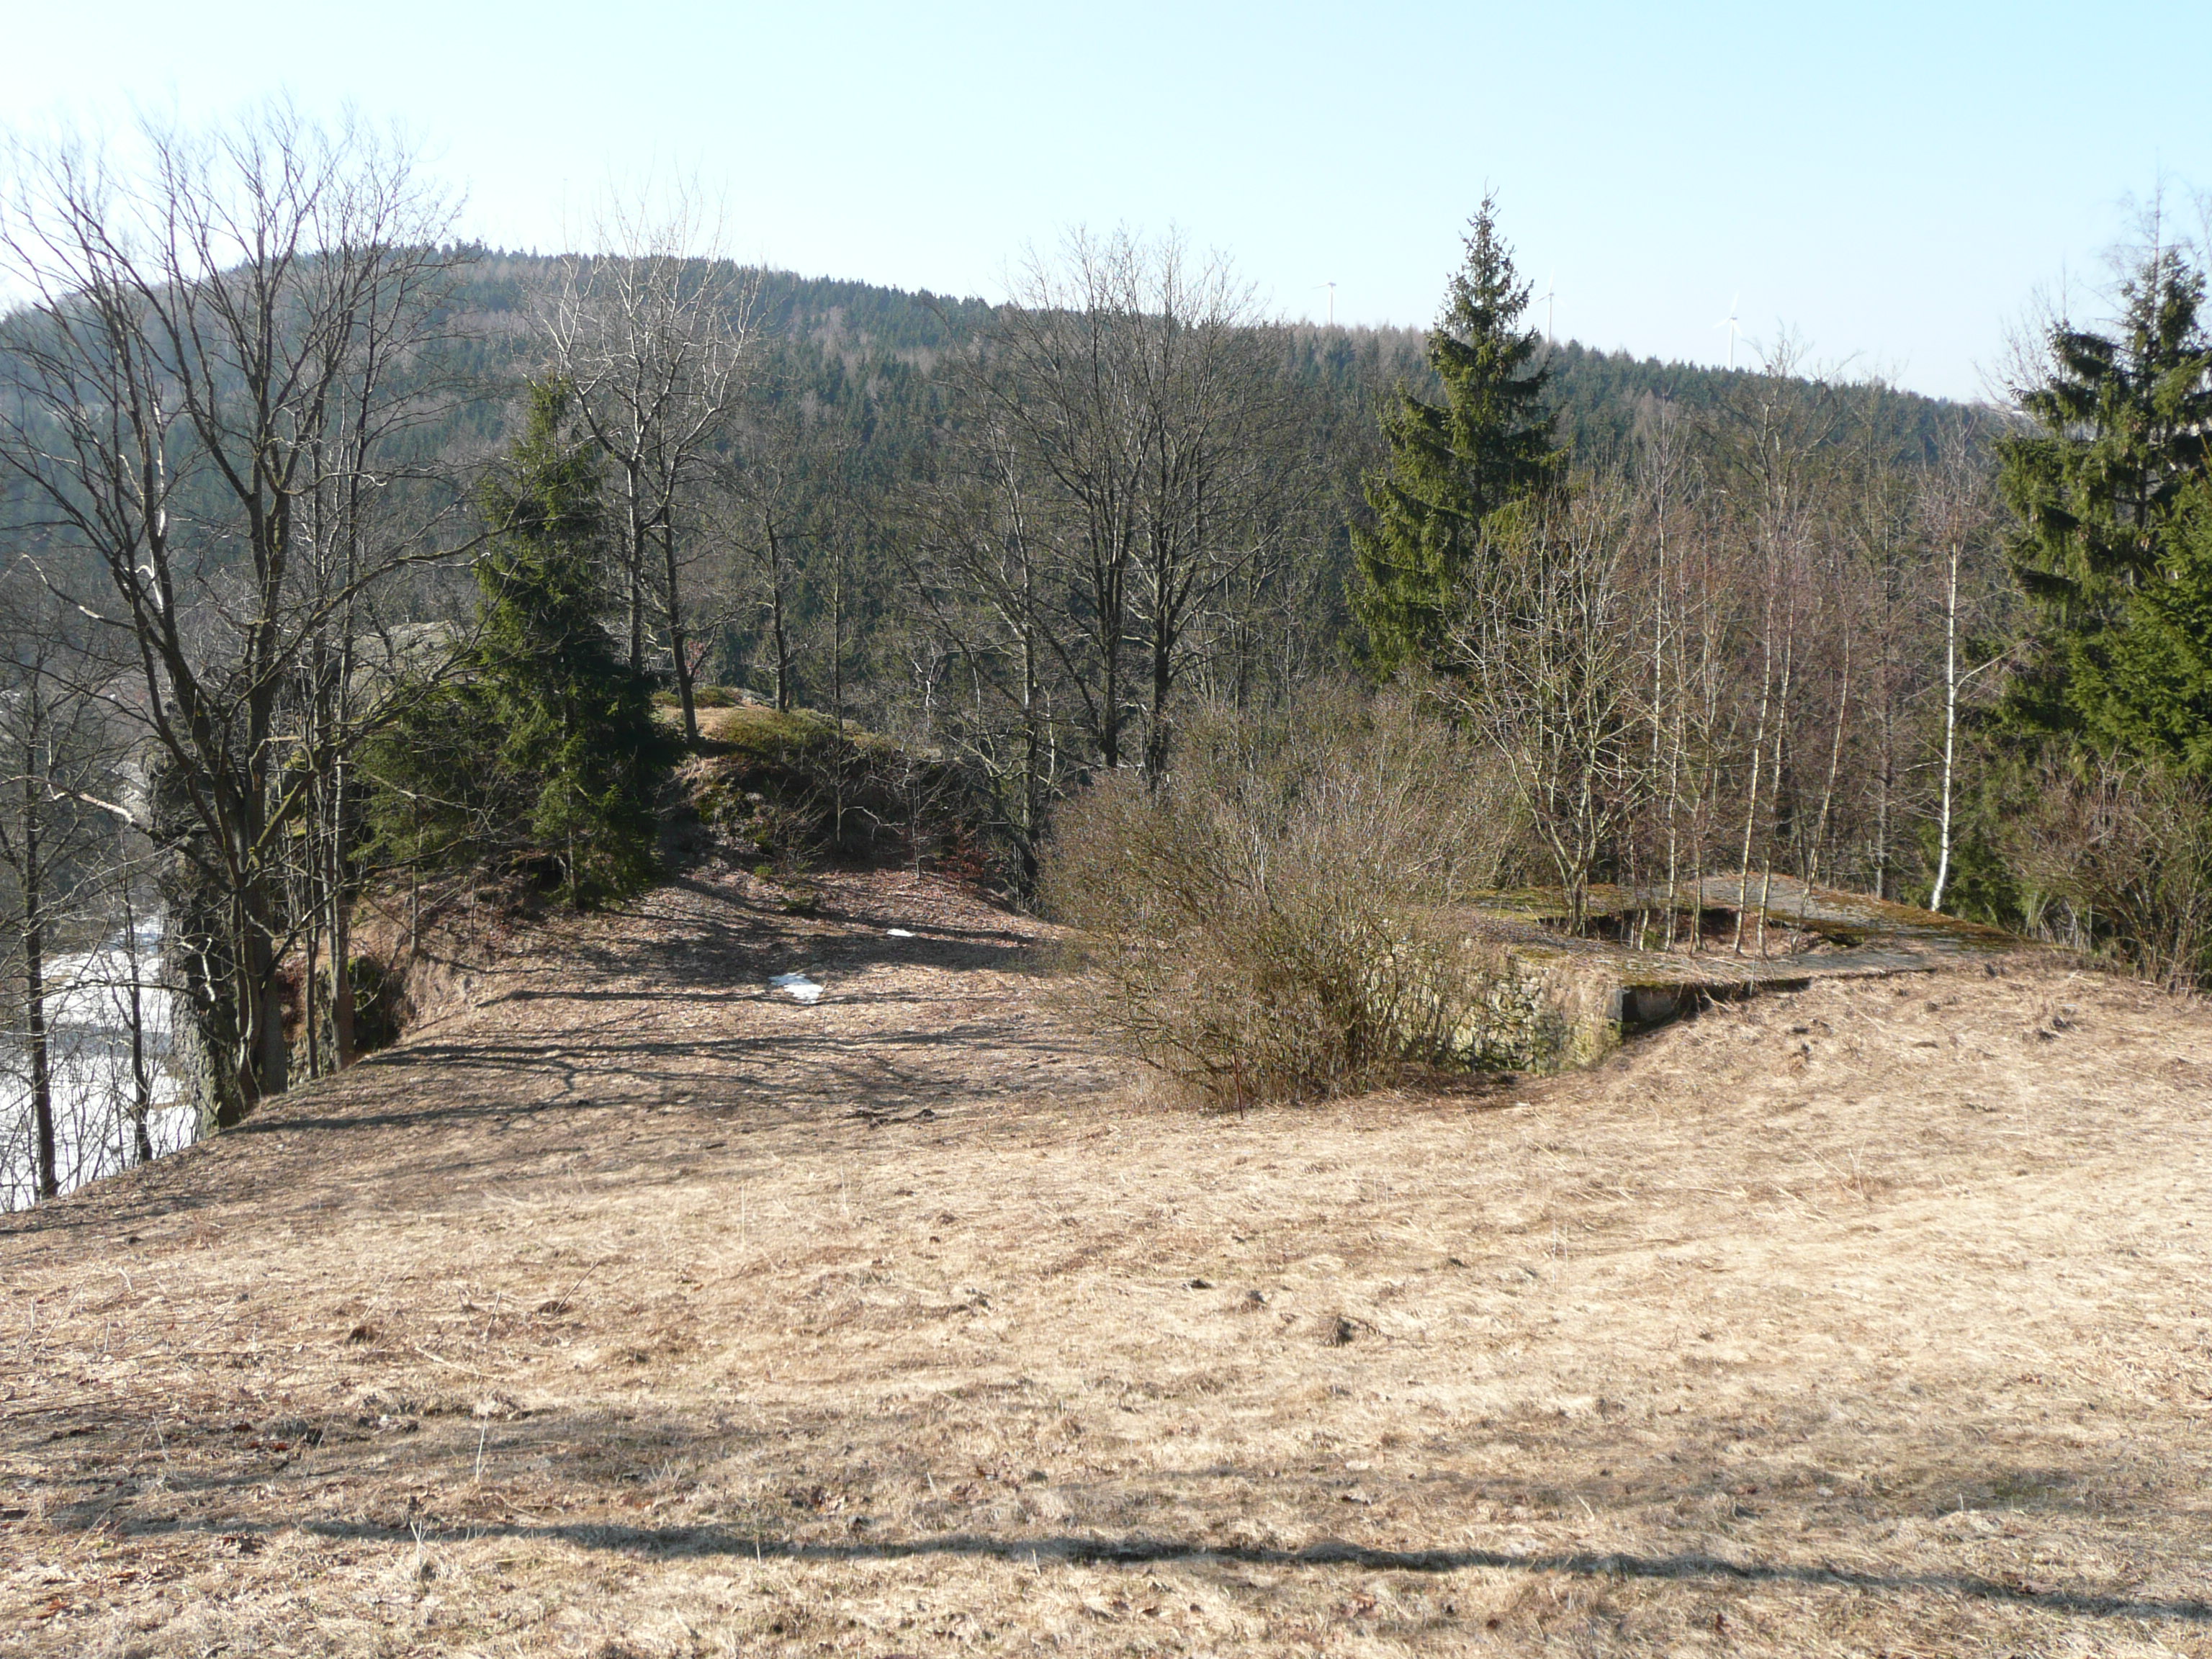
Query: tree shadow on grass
point(728, 940)
point(600, 1454)
point(1145, 1550)
point(714, 947)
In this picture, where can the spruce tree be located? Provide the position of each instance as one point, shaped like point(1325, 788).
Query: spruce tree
point(544, 754)
point(1453, 464)
point(2119, 434)
point(2147, 690)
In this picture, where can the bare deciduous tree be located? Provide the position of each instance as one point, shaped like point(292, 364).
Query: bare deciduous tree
point(982, 561)
point(1543, 662)
point(1958, 516)
point(776, 494)
point(66, 909)
point(212, 355)
point(1133, 386)
point(653, 330)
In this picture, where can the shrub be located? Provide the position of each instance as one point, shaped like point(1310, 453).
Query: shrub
point(2116, 857)
point(1270, 920)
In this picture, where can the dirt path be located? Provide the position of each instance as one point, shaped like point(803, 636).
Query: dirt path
point(594, 1320)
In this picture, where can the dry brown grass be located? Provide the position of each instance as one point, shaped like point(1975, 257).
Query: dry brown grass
point(593, 1321)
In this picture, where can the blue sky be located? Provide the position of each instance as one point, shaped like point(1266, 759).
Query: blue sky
point(1893, 183)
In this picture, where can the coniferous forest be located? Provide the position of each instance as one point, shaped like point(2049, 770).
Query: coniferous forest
point(344, 560)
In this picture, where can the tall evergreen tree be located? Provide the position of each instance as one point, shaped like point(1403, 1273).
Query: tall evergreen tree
point(2148, 688)
point(546, 752)
point(2120, 433)
point(1452, 464)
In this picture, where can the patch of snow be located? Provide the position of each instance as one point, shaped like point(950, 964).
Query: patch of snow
point(91, 992)
point(89, 1048)
point(802, 988)
point(898, 933)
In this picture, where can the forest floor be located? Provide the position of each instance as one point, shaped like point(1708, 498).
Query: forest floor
point(636, 1308)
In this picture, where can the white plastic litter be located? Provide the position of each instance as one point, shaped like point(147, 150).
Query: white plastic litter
point(802, 988)
point(898, 933)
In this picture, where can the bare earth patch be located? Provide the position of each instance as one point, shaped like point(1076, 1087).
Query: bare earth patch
point(640, 1309)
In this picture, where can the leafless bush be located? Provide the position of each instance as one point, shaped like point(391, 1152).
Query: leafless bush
point(1269, 922)
point(2119, 860)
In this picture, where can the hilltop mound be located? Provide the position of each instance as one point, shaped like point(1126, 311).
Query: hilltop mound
point(642, 1308)
point(786, 791)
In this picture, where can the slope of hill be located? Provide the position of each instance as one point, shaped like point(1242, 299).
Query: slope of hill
point(869, 360)
point(638, 1307)
point(840, 331)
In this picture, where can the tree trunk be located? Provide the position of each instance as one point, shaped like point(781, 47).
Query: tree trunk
point(271, 1058)
point(310, 1027)
point(634, 567)
point(1034, 783)
point(142, 1077)
point(776, 622)
point(1750, 804)
point(838, 692)
point(677, 644)
point(1156, 736)
point(1835, 761)
point(34, 981)
point(341, 934)
point(1109, 725)
point(1950, 727)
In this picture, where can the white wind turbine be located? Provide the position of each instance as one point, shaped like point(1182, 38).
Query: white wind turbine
point(1331, 287)
point(1549, 296)
point(1729, 323)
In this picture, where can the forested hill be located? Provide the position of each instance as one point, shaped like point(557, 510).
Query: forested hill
point(854, 374)
point(856, 341)
point(865, 365)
